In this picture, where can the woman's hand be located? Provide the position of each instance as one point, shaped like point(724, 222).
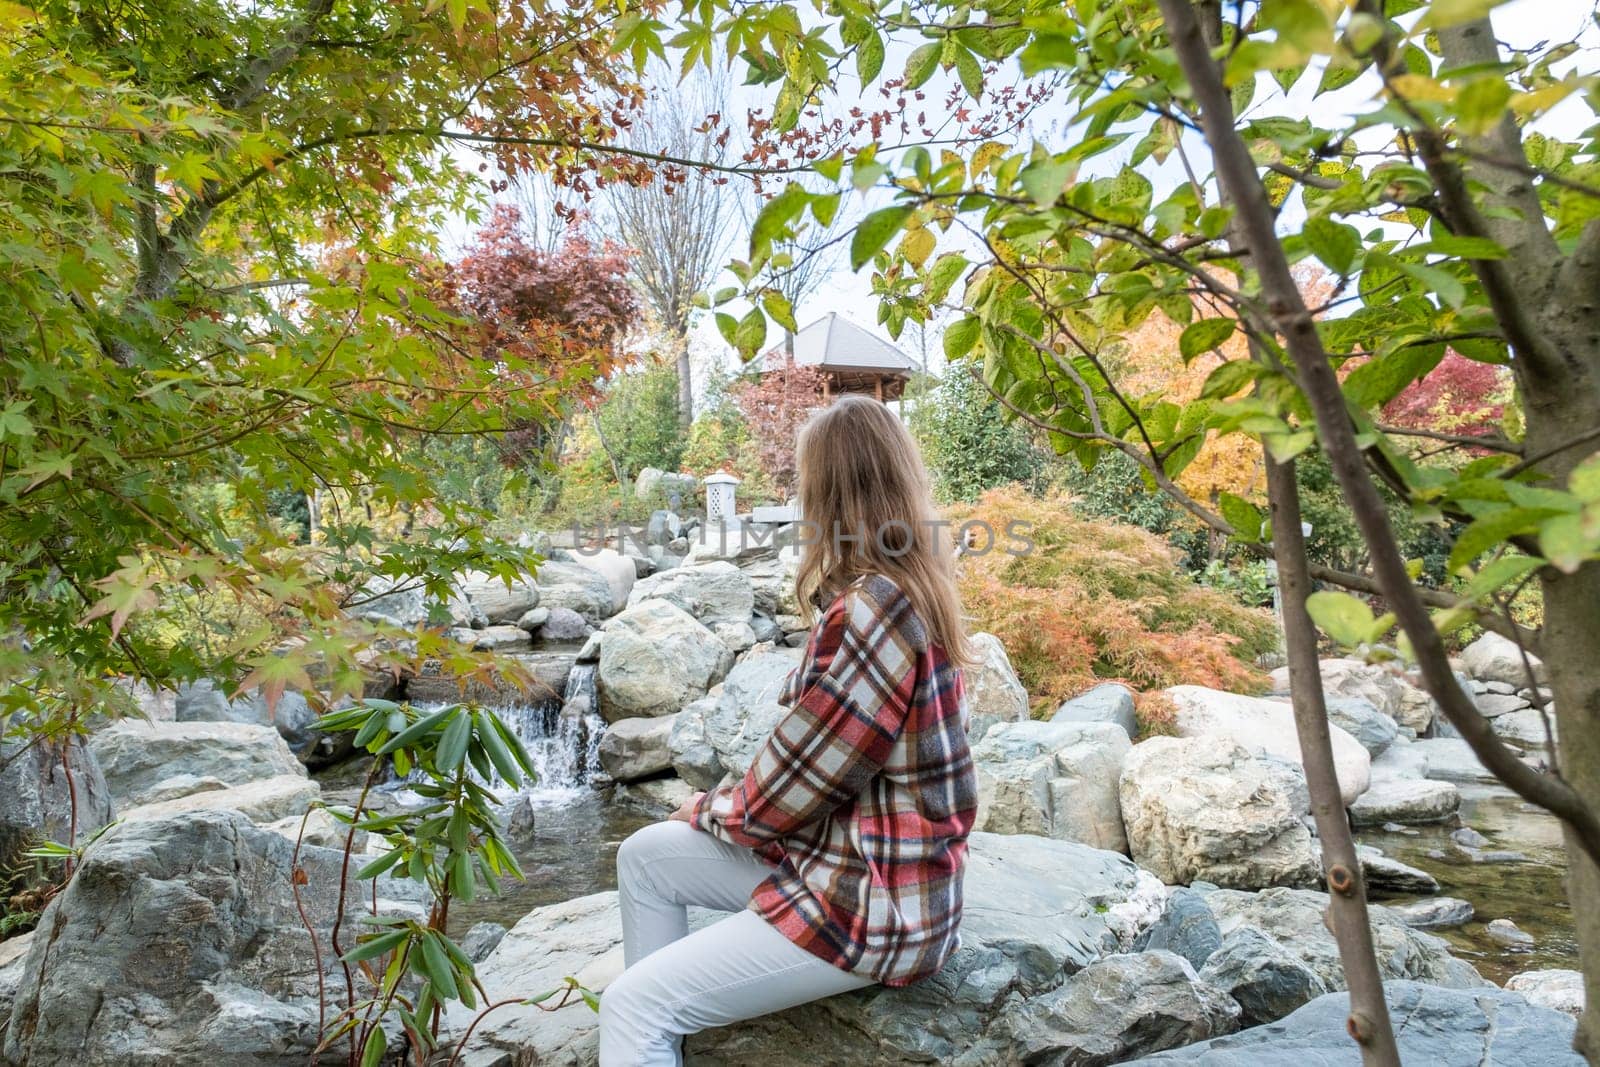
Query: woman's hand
point(685, 812)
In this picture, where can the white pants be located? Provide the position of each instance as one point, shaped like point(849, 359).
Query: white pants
point(678, 983)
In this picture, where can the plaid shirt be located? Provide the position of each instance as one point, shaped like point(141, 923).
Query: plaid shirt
point(863, 796)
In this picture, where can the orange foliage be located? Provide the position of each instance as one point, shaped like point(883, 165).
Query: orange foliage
point(1098, 600)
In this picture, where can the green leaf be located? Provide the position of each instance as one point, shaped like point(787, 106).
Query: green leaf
point(377, 1045)
point(776, 305)
point(942, 275)
point(775, 216)
point(1440, 281)
point(869, 59)
point(377, 946)
point(1229, 377)
point(1445, 13)
point(921, 64)
point(1045, 178)
point(437, 966)
point(1203, 336)
point(1564, 543)
point(751, 333)
point(1490, 530)
point(1248, 521)
point(876, 231)
point(1382, 378)
point(1341, 616)
point(417, 729)
point(970, 73)
point(1498, 574)
point(453, 745)
point(1334, 243)
point(497, 751)
point(728, 326)
point(961, 336)
point(1584, 482)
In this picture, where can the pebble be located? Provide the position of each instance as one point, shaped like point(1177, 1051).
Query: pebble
point(1467, 837)
point(1434, 913)
point(1504, 932)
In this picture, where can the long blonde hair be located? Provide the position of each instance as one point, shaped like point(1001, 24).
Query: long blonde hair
point(865, 493)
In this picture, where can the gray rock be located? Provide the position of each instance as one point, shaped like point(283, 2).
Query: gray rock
point(1402, 760)
point(590, 652)
point(37, 796)
point(1433, 913)
point(264, 800)
point(1267, 979)
point(1447, 1027)
point(498, 638)
point(533, 619)
point(994, 693)
point(576, 587)
point(1110, 702)
point(1039, 915)
point(1406, 801)
point(564, 624)
point(1502, 688)
point(498, 602)
point(1343, 677)
point(1374, 730)
point(1505, 933)
point(617, 571)
point(1527, 727)
point(177, 939)
point(292, 716)
point(1557, 990)
point(1387, 877)
point(180, 785)
point(772, 583)
point(716, 592)
point(1194, 808)
point(1266, 728)
point(1450, 759)
point(637, 748)
point(1295, 919)
point(137, 756)
point(725, 731)
point(1055, 779)
point(1492, 658)
point(1493, 705)
point(1186, 927)
point(1467, 837)
point(481, 939)
point(656, 796)
point(13, 957)
point(655, 659)
point(693, 756)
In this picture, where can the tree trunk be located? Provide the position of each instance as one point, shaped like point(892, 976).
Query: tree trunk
point(1368, 1021)
point(685, 385)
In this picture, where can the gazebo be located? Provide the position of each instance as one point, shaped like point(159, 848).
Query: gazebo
point(850, 359)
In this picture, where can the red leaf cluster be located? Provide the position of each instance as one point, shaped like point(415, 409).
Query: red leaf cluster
point(774, 407)
point(1460, 396)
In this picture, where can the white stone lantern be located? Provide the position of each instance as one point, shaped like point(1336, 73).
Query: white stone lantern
point(719, 498)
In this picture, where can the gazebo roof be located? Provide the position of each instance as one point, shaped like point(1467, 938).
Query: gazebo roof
point(832, 343)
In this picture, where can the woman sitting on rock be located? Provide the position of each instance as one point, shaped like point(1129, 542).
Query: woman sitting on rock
point(846, 840)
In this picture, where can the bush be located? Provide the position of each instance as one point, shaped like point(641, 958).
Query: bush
point(968, 444)
point(1114, 488)
point(1096, 600)
point(639, 418)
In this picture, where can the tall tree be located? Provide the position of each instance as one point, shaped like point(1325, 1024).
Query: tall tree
point(1443, 219)
point(676, 218)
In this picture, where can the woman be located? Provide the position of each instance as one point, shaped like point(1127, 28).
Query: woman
point(845, 841)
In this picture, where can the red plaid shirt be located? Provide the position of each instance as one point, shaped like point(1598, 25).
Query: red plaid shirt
point(863, 796)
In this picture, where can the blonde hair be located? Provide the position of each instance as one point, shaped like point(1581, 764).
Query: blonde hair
point(865, 493)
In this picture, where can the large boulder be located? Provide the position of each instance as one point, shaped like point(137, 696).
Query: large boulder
point(264, 800)
point(1110, 702)
point(497, 601)
point(1200, 809)
point(994, 692)
point(772, 583)
point(722, 733)
point(1372, 729)
point(637, 748)
point(1450, 759)
point(1054, 779)
point(716, 592)
point(1265, 727)
point(137, 756)
point(618, 570)
point(1039, 978)
point(1405, 800)
point(689, 743)
point(1558, 990)
point(1293, 923)
point(576, 587)
point(1185, 927)
point(1266, 979)
point(44, 786)
point(1353, 678)
point(1447, 1027)
point(177, 941)
point(292, 716)
point(655, 659)
point(1492, 658)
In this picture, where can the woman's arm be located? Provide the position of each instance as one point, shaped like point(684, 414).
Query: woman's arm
point(837, 735)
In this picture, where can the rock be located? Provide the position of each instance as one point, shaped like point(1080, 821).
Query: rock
point(637, 748)
point(291, 716)
point(564, 624)
point(662, 527)
point(1038, 977)
point(499, 603)
point(1265, 727)
point(1417, 711)
point(1352, 678)
point(737, 721)
point(994, 693)
point(13, 955)
point(320, 829)
point(576, 587)
point(1447, 1027)
point(1526, 727)
point(655, 796)
point(1467, 837)
point(693, 756)
point(618, 570)
point(590, 652)
point(264, 800)
point(533, 619)
point(1371, 728)
point(1104, 703)
point(399, 600)
point(716, 592)
point(655, 484)
point(137, 756)
point(772, 583)
point(1294, 919)
point(179, 785)
point(1493, 705)
point(37, 797)
point(1402, 761)
point(1194, 808)
point(1406, 801)
point(498, 638)
point(177, 940)
point(1055, 779)
point(1118, 1007)
point(655, 659)
point(1504, 933)
point(481, 939)
point(1557, 990)
point(1451, 759)
point(1492, 658)
point(1386, 877)
point(1186, 927)
point(1434, 913)
point(1265, 978)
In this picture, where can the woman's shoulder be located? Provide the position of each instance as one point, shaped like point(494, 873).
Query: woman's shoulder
point(876, 604)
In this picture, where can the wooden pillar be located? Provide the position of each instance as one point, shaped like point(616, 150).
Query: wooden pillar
point(878, 386)
point(827, 388)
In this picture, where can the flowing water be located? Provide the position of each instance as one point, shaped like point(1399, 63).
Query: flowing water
point(1529, 892)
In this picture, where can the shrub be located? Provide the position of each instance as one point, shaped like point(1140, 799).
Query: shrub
point(968, 444)
point(1096, 600)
